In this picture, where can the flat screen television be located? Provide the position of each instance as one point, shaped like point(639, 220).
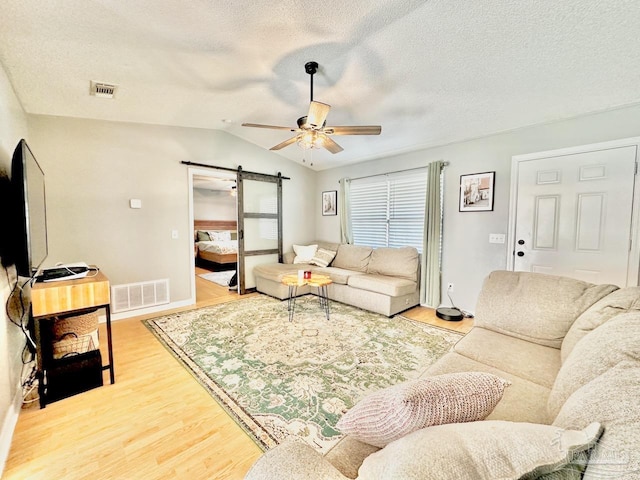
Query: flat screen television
point(31, 217)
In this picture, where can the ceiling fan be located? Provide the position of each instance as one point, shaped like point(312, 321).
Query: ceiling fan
point(312, 131)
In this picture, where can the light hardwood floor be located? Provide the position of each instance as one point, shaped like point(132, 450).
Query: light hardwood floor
point(155, 422)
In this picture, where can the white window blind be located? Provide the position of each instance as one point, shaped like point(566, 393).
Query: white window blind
point(388, 210)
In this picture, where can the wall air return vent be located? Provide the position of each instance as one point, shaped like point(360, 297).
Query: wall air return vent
point(132, 296)
point(103, 90)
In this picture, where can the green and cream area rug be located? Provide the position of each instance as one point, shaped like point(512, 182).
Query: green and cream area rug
point(279, 378)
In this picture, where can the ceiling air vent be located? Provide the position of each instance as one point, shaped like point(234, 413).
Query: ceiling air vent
point(101, 89)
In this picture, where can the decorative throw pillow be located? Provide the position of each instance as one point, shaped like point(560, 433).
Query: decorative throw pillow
point(304, 253)
point(488, 449)
point(396, 411)
point(322, 257)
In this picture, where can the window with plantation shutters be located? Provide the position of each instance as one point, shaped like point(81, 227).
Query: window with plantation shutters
point(388, 210)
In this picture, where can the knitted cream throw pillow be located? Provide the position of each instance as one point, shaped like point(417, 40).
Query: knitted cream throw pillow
point(394, 412)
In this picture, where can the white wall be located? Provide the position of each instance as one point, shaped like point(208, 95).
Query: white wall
point(93, 168)
point(13, 127)
point(467, 255)
point(213, 205)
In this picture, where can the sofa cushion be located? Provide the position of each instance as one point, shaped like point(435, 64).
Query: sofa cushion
point(393, 412)
point(533, 306)
point(348, 454)
point(295, 459)
point(599, 351)
point(616, 303)
point(275, 271)
point(395, 262)
point(338, 275)
point(479, 450)
point(288, 257)
point(612, 400)
point(304, 253)
point(534, 362)
point(352, 257)
point(392, 286)
point(327, 245)
point(523, 401)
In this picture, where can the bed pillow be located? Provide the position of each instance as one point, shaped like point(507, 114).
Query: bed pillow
point(488, 449)
point(304, 253)
point(322, 257)
point(220, 235)
point(396, 411)
point(203, 236)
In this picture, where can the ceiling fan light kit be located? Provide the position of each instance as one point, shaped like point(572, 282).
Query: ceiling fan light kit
point(312, 131)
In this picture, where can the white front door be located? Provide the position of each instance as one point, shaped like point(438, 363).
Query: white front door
point(574, 215)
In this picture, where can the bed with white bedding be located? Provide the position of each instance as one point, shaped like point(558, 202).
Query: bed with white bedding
point(216, 241)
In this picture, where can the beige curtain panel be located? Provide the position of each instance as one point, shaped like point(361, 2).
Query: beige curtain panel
point(430, 262)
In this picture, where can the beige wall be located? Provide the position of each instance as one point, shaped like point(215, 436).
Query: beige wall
point(13, 127)
point(467, 255)
point(213, 205)
point(93, 168)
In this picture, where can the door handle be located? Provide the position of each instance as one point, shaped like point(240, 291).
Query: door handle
point(520, 254)
point(520, 242)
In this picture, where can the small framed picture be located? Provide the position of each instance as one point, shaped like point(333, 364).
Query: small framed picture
point(330, 203)
point(476, 192)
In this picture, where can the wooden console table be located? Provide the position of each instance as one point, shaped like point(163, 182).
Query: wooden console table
point(51, 299)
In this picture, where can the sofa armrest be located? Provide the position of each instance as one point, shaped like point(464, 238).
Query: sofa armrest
point(293, 460)
point(288, 257)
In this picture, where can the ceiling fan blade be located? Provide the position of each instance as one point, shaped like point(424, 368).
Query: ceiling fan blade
point(272, 127)
point(330, 145)
point(354, 130)
point(317, 115)
point(286, 143)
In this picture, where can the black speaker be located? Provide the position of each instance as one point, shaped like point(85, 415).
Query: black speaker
point(73, 374)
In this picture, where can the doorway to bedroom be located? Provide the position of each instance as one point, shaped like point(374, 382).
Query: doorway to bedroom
point(214, 220)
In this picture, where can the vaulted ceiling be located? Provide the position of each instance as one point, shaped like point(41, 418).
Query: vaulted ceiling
point(430, 72)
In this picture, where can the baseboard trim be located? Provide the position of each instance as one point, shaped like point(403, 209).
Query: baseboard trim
point(145, 311)
point(8, 427)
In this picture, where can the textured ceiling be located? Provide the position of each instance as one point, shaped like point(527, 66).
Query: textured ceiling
point(429, 72)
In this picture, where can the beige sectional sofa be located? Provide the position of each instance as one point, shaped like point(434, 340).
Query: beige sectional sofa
point(571, 351)
point(382, 280)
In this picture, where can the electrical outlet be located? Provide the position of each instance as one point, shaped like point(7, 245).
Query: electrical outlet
point(450, 287)
point(496, 238)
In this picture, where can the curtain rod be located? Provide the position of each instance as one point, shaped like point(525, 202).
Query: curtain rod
point(194, 164)
point(444, 164)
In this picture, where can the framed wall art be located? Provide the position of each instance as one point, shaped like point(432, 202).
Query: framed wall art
point(477, 192)
point(330, 202)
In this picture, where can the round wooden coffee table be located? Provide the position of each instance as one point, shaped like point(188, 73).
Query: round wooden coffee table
point(316, 280)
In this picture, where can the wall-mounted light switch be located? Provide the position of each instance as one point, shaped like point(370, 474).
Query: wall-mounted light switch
point(174, 234)
point(135, 203)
